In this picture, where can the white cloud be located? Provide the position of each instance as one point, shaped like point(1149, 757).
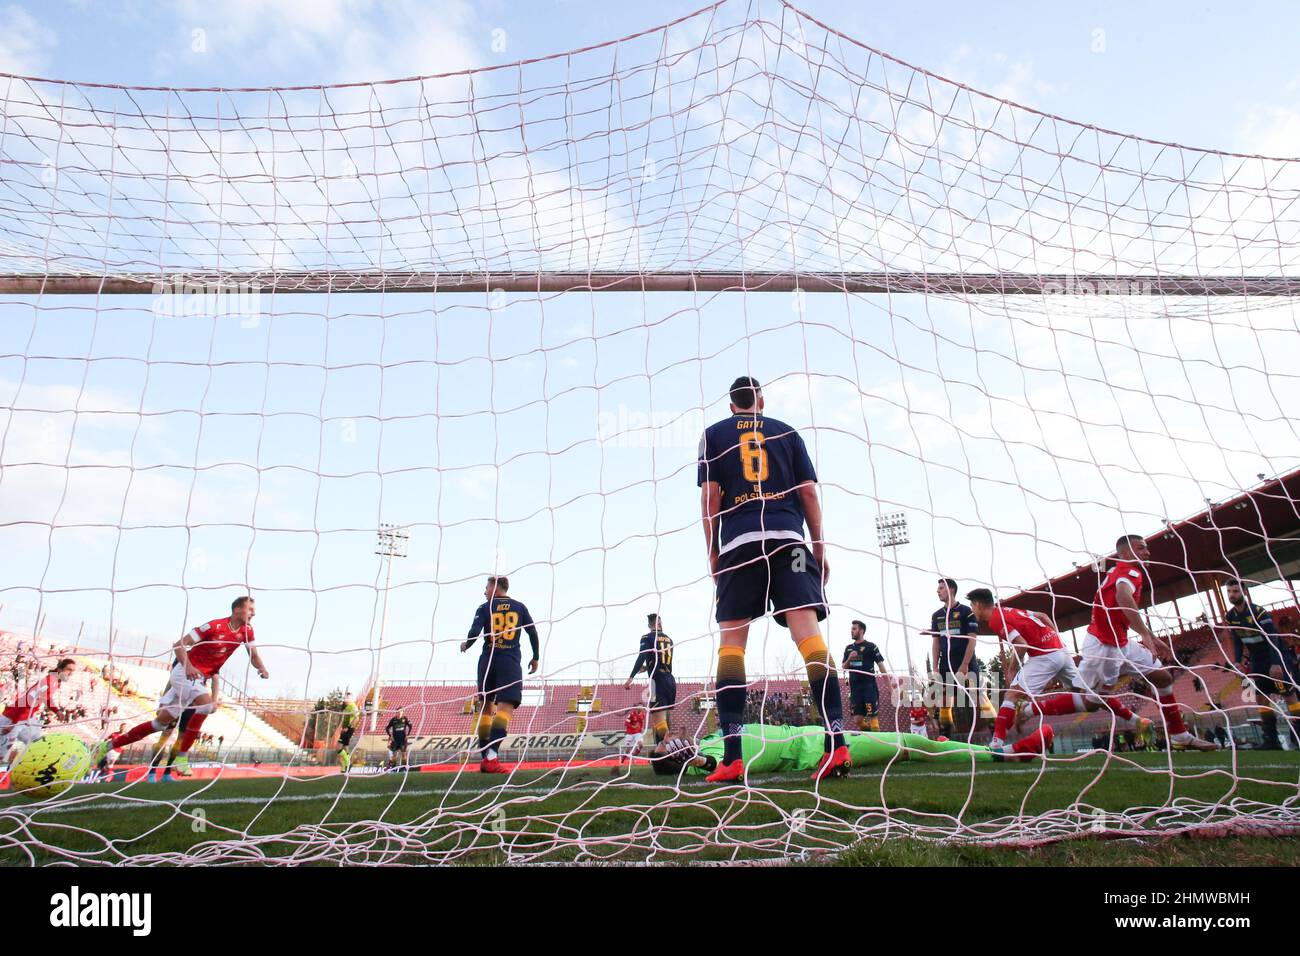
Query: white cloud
point(25, 44)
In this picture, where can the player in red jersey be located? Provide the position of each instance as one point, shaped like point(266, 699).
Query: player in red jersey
point(199, 656)
point(20, 722)
point(633, 732)
point(919, 720)
point(1038, 659)
point(1109, 653)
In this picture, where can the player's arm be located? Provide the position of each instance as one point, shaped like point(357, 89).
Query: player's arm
point(880, 662)
point(934, 650)
point(848, 656)
point(812, 513)
point(644, 661)
point(475, 629)
point(1042, 618)
point(535, 641)
point(182, 649)
point(1124, 600)
point(256, 658)
point(710, 506)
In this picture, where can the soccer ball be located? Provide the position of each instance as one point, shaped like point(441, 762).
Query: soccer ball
point(50, 766)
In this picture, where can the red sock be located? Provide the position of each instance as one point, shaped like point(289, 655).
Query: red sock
point(138, 732)
point(1006, 717)
point(191, 732)
point(1058, 704)
point(1116, 707)
point(1035, 743)
point(1173, 716)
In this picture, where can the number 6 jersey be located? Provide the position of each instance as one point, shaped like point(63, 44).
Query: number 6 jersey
point(757, 461)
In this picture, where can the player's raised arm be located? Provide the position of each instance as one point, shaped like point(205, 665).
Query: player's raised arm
point(644, 661)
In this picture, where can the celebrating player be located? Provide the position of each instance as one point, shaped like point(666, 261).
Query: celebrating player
point(199, 656)
point(1038, 659)
point(20, 722)
point(398, 729)
point(1261, 653)
point(1108, 654)
point(861, 658)
point(499, 619)
point(758, 489)
point(656, 658)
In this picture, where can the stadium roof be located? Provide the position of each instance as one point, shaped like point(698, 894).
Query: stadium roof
point(1255, 536)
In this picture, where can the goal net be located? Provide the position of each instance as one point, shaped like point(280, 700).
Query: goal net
point(352, 349)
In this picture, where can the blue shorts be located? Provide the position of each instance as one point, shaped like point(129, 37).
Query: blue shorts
point(665, 686)
point(780, 575)
point(500, 678)
point(864, 695)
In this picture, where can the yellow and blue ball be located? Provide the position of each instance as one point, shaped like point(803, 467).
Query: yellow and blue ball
point(49, 766)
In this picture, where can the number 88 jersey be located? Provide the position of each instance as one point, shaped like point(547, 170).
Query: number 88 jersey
point(501, 622)
point(757, 461)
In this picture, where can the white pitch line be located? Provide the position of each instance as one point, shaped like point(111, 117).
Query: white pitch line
point(133, 802)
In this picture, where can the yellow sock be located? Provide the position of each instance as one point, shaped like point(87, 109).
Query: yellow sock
point(813, 650)
point(661, 729)
point(484, 726)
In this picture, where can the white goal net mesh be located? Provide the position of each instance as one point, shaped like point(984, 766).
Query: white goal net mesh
point(241, 330)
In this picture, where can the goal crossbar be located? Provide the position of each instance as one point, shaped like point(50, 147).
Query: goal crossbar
point(926, 283)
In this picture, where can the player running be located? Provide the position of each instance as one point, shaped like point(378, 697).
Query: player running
point(199, 657)
point(22, 721)
point(861, 658)
point(1260, 652)
point(1038, 659)
point(499, 619)
point(758, 488)
point(398, 730)
point(656, 658)
point(1108, 654)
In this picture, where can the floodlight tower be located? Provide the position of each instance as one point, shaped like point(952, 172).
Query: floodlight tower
point(390, 542)
point(891, 533)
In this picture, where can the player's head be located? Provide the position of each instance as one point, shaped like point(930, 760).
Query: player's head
point(947, 590)
point(858, 630)
point(242, 610)
point(654, 622)
point(746, 395)
point(981, 603)
point(348, 698)
point(1132, 547)
point(65, 668)
point(497, 586)
point(1236, 593)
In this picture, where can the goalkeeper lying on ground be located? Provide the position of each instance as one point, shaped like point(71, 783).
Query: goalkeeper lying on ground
point(774, 749)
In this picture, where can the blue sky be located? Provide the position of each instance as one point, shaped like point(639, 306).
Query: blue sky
point(212, 450)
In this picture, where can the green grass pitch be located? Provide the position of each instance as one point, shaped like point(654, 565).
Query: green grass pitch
point(906, 816)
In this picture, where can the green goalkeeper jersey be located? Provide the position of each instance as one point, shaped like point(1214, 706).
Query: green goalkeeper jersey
point(350, 715)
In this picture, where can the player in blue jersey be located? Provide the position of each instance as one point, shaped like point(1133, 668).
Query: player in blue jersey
point(758, 489)
point(501, 620)
point(655, 657)
point(1263, 655)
